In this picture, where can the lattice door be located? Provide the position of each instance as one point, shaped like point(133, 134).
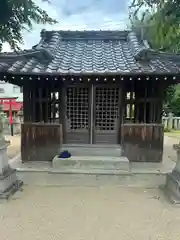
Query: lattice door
point(106, 114)
point(77, 117)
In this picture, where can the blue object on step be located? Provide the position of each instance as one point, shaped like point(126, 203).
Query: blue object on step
point(65, 154)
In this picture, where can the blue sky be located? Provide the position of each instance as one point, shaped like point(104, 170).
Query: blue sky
point(79, 15)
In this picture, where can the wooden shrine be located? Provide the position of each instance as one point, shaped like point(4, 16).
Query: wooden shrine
point(91, 87)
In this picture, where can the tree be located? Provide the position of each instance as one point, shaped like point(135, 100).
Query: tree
point(164, 15)
point(160, 39)
point(172, 101)
point(19, 15)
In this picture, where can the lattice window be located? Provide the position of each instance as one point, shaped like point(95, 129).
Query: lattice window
point(106, 108)
point(77, 108)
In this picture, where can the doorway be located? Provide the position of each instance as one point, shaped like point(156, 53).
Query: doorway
point(77, 114)
point(92, 114)
point(106, 114)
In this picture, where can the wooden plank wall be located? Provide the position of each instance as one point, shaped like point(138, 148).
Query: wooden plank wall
point(143, 101)
point(43, 103)
point(143, 142)
point(40, 141)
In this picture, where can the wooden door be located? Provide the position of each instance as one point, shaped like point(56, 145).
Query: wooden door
point(106, 114)
point(77, 114)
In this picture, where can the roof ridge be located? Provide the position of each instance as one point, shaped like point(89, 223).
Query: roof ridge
point(86, 34)
point(140, 50)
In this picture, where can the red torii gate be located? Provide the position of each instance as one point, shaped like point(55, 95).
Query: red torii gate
point(11, 101)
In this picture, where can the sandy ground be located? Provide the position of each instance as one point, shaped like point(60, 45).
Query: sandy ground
point(75, 213)
point(14, 147)
point(89, 213)
point(169, 152)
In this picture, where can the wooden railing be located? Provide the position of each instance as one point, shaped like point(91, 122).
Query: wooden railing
point(143, 142)
point(40, 141)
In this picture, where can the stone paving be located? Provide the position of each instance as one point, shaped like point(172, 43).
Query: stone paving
point(108, 213)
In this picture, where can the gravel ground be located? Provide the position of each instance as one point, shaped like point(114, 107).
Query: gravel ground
point(90, 213)
point(169, 152)
point(14, 147)
point(75, 213)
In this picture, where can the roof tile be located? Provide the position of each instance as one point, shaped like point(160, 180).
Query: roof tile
point(89, 52)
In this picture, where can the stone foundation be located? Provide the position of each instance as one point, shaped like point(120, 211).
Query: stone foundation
point(9, 183)
point(172, 186)
point(92, 162)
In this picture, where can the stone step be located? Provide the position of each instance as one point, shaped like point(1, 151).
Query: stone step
point(93, 150)
point(86, 145)
point(92, 162)
point(90, 171)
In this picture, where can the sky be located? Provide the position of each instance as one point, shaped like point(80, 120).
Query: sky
point(79, 15)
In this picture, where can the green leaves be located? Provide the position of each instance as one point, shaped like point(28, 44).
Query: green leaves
point(164, 16)
point(17, 15)
point(172, 101)
point(160, 21)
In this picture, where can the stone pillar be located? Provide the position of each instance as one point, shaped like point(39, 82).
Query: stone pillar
point(9, 183)
point(170, 121)
point(172, 186)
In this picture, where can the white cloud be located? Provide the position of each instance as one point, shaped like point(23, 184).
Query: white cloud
point(79, 15)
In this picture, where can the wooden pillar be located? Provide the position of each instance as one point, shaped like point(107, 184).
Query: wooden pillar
point(136, 104)
point(46, 104)
point(26, 92)
point(124, 103)
point(151, 104)
point(49, 103)
point(34, 104)
point(145, 102)
point(59, 103)
point(160, 102)
point(121, 112)
point(63, 112)
point(40, 104)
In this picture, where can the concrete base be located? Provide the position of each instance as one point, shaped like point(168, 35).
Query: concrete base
point(172, 187)
point(16, 186)
point(8, 180)
point(9, 184)
point(89, 163)
point(113, 150)
point(43, 174)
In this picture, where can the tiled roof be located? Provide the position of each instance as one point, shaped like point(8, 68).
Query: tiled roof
point(89, 52)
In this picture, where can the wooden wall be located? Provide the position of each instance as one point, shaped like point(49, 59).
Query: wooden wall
point(43, 103)
point(143, 101)
point(141, 132)
point(143, 142)
point(40, 141)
